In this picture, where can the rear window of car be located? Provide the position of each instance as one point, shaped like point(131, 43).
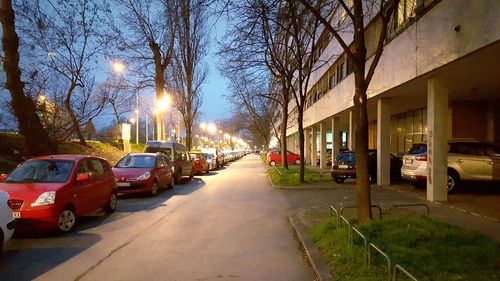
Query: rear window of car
point(418, 148)
point(346, 157)
point(154, 149)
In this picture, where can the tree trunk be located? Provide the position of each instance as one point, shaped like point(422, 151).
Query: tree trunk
point(301, 145)
point(284, 121)
point(37, 140)
point(189, 142)
point(159, 84)
point(72, 116)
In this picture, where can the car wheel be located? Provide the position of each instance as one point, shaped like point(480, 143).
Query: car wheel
point(154, 189)
point(66, 221)
point(452, 182)
point(339, 180)
point(272, 163)
point(172, 182)
point(297, 162)
point(113, 202)
point(208, 170)
point(371, 179)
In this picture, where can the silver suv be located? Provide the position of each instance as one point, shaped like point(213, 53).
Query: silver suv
point(467, 160)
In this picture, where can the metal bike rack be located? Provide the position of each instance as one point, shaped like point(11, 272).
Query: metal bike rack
point(365, 241)
point(349, 228)
point(372, 246)
point(399, 268)
point(278, 170)
point(337, 215)
point(409, 205)
point(354, 207)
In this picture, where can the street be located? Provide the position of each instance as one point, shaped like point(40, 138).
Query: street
point(227, 225)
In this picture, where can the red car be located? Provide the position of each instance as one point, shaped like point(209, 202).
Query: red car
point(200, 163)
point(143, 173)
point(274, 157)
point(51, 192)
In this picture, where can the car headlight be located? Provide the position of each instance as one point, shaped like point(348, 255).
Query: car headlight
point(46, 198)
point(144, 176)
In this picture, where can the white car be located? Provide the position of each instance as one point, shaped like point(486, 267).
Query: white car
point(6, 220)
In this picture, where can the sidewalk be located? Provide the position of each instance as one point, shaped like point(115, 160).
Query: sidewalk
point(310, 206)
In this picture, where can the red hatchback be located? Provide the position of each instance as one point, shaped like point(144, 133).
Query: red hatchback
point(200, 163)
point(274, 157)
point(143, 173)
point(52, 191)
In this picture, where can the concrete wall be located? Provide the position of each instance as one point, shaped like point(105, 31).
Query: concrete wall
point(426, 45)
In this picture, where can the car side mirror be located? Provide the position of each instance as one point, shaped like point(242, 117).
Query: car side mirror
point(82, 177)
point(3, 177)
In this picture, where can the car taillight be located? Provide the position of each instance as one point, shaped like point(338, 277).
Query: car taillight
point(422, 157)
point(15, 204)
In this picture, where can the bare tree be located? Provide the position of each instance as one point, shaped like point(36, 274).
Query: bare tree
point(250, 103)
point(36, 138)
point(118, 96)
point(357, 52)
point(65, 38)
point(145, 41)
point(188, 72)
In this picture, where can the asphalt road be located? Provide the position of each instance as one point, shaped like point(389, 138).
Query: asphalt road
point(227, 225)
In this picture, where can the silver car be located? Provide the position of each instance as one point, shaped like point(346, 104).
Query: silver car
point(467, 160)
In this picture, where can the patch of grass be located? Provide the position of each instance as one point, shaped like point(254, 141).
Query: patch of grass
point(427, 248)
point(290, 177)
point(95, 148)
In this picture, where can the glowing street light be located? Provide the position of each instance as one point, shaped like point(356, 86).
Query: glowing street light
point(132, 120)
point(118, 67)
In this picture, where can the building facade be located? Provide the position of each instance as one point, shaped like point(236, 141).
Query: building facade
point(438, 79)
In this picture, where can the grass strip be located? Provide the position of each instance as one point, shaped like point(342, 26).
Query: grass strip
point(427, 248)
point(290, 177)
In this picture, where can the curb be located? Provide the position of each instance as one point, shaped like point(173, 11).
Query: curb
point(317, 264)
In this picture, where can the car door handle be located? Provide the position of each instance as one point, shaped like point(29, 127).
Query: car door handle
point(491, 163)
point(460, 161)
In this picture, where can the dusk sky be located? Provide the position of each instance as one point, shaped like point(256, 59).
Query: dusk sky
point(215, 106)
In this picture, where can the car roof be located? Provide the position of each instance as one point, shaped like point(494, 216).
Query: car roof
point(143, 154)
point(73, 157)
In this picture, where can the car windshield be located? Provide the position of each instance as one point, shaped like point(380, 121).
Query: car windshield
point(42, 171)
point(418, 148)
point(346, 157)
point(136, 161)
point(208, 156)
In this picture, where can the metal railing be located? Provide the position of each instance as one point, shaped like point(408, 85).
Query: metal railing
point(399, 268)
point(409, 205)
point(365, 241)
point(337, 215)
point(355, 207)
point(372, 246)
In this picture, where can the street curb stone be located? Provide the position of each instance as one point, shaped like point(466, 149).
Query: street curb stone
point(318, 266)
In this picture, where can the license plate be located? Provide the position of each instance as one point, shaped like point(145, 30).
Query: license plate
point(408, 161)
point(16, 215)
point(122, 184)
point(343, 166)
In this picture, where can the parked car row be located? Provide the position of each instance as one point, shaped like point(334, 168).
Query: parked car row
point(468, 160)
point(51, 192)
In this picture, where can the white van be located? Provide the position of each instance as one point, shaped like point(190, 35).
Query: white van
point(178, 155)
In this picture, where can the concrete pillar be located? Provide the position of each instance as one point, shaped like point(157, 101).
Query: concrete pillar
point(307, 146)
point(490, 133)
point(335, 137)
point(437, 140)
point(322, 145)
point(352, 132)
point(383, 142)
point(314, 146)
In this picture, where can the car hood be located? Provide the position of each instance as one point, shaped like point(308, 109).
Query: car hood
point(28, 191)
point(129, 172)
